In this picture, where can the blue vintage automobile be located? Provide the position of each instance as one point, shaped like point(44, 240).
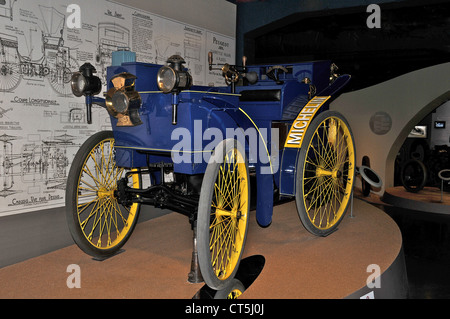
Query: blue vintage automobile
point(196, 150)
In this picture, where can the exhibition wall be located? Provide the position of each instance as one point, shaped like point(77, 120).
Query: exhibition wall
point(383, 115)
point(215, 15)
point(42, 43)
point(43, 125)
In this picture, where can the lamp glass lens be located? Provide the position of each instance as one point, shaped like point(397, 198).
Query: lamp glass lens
point(166, 79)
point(78, 84)
point(120, 101)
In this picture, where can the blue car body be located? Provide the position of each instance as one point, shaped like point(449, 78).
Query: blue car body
point(264, 105)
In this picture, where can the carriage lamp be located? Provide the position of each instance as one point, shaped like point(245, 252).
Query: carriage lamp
point(172, 78)
point(84, 82)
point(123, 101)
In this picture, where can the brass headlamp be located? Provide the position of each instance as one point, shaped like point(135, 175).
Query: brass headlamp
point(123, 101)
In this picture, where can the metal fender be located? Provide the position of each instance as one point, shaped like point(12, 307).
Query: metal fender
point(337, 85)
point(263, 166)
point(294, 140)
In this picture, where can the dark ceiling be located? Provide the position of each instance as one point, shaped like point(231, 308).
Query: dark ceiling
point(413, 35)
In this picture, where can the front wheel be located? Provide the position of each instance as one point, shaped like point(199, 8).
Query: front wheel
point(232, 291)
point(223, 214)
point(99, 225)
point(325, 173)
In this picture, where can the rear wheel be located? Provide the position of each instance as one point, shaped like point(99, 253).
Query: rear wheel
point(99, 225)
point(325, 173)
point(223, 214)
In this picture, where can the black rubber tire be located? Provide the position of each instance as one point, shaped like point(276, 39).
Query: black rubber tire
point(414, 175)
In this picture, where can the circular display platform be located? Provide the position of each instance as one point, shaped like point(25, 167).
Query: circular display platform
point(429, 199)
point(157, 259)
point(300, 265)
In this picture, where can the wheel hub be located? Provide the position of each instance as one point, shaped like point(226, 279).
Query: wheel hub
point(103, 192)
point(226, 213)
point(321, 172)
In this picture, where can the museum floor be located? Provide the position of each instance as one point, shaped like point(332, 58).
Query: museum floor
point(297, 265)
point(425, 238)
point(426, 244)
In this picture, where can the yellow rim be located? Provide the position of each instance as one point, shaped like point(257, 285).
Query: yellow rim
point(229, 210)
point(328, 173)
point(102, 220)
point(234, 294)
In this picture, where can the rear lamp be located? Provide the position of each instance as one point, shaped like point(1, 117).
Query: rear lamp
point(172, 78)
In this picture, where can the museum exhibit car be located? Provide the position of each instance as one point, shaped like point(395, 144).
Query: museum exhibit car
point(170, 147)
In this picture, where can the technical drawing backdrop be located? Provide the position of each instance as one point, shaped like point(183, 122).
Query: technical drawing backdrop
point(41, 124)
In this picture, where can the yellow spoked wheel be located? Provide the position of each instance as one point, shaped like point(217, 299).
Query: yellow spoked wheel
point(223, 211)
point(325, 173)
point(99, 225)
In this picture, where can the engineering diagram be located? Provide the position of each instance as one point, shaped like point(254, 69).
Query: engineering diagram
point(6, 8)
point(55, 64)
point(111, 36)
point(37, 163)
point(192, 46)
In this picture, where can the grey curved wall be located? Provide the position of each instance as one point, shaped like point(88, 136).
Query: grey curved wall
point(404, 100)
